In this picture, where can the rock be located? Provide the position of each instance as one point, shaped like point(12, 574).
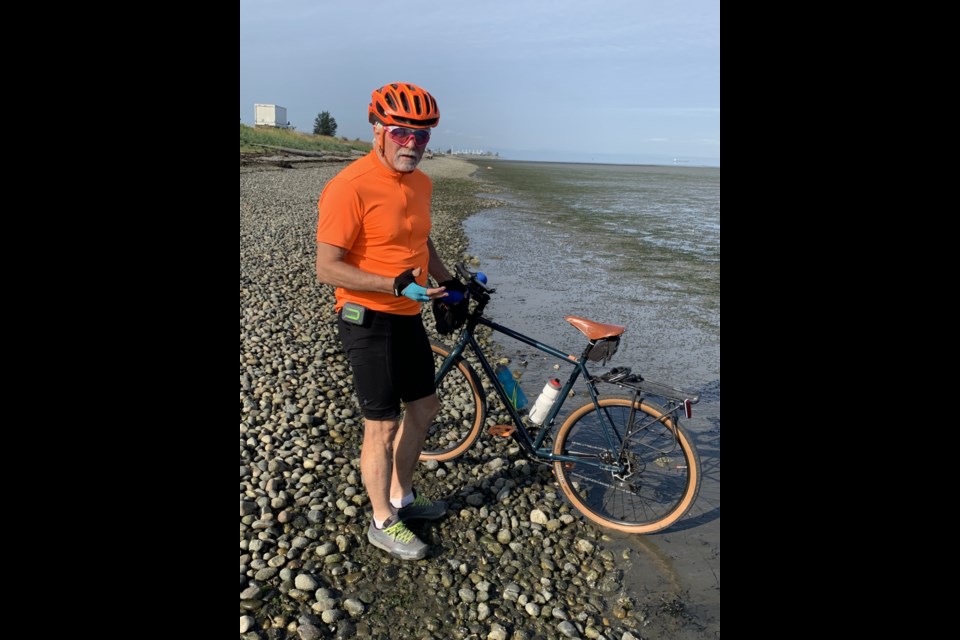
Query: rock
point(323, 604)
point(345, 629)
point(584, 546)
point(497, 632)
point(308, 632)
point(265, 574)
point(305, 582)
point(475, 499)
point(331, 615)
point(353, 606)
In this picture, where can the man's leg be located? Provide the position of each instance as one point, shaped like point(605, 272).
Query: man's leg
point(376, 464)
point(408, 443)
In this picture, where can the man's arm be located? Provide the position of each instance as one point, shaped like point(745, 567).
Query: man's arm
point(332, 270)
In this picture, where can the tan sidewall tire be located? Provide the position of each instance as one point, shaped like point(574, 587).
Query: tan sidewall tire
point(479, 417)
point(693, 482)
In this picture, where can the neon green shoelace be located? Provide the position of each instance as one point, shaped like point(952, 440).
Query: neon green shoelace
point(422, 502)
point(399, 532)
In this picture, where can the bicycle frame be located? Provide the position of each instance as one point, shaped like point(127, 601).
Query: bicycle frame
point(532, 446)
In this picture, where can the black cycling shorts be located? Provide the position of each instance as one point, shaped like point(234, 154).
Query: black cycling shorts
point(391, 361)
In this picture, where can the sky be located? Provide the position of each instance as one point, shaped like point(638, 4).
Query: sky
point(610, 81)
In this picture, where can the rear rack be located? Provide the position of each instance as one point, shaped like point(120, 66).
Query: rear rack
point(622, 377)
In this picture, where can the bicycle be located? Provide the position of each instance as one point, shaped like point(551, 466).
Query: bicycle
point(622, 461)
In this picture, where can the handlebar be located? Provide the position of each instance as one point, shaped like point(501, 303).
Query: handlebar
point(476, 281)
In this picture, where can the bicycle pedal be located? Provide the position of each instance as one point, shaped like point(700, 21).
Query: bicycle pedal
point(502, 430)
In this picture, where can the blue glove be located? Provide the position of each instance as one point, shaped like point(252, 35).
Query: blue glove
point(416, 293)
point(405, 285)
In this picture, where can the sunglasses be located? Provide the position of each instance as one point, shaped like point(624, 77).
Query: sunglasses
point(402, 135)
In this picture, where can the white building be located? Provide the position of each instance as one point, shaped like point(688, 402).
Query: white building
point(270, 115)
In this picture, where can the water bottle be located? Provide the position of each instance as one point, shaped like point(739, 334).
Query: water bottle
point(543, 404)
point(512, 387)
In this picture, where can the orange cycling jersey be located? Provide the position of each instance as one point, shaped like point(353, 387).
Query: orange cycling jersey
point(382, 219)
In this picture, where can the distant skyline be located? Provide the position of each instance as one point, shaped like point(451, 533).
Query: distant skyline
point(613, 81)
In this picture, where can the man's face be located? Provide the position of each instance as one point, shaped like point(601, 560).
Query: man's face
point(404, 157)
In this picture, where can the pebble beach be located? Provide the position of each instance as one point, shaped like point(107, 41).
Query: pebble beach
point(511, 560)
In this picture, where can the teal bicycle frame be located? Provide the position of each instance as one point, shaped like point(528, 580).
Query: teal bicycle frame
point(532, 446)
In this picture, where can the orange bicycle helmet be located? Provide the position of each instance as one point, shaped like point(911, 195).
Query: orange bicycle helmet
point(405, 105)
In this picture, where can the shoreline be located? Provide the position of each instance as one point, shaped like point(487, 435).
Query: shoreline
point(511, 560)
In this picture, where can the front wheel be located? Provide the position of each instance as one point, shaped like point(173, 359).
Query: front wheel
point(462, 409)
point(659, 469)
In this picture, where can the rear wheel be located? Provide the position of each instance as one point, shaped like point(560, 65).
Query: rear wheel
point(462, 409)
point(660, 467)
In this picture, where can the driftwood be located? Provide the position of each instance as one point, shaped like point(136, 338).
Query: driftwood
point(283, 159)
point(293, 152)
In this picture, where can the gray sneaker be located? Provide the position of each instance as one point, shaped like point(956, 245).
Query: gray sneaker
point(397, 540)
point(423, 509)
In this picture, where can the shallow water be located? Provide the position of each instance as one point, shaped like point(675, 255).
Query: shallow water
point(630, 245)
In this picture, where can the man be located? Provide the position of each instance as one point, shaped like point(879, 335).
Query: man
point(373, 244)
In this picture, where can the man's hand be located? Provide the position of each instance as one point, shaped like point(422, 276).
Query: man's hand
point(405, 284)
point(455, 291)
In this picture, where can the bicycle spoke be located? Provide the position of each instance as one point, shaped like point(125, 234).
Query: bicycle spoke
point(458, 422)
point(654, 475)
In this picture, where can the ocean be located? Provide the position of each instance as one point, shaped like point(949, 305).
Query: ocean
point(632, 245)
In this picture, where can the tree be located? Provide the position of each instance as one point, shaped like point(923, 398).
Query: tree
point(324, 125)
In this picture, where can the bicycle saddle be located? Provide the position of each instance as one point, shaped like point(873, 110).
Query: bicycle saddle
point(595, 330)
